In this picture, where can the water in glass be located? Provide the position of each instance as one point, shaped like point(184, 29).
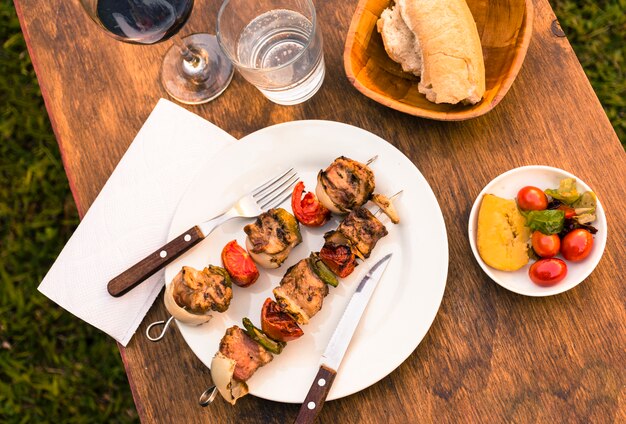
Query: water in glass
point(286, 49)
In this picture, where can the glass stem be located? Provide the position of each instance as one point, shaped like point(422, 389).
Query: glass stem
point(195, 63)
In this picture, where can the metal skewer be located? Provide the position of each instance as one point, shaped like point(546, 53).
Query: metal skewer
point(380, 210)
point(162, 333)
point(372, 159)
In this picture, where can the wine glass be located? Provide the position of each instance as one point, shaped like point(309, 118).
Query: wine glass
point(194, 70)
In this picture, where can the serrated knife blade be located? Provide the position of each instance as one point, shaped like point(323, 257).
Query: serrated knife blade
point(339, 342)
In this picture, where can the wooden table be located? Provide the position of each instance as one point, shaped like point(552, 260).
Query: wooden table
point(491, 355)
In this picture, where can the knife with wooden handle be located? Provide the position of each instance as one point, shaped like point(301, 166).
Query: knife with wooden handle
point(338, 344)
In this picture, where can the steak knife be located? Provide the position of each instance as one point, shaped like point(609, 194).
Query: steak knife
point(339, 342)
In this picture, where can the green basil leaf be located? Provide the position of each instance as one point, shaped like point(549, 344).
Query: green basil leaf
point(548, 221)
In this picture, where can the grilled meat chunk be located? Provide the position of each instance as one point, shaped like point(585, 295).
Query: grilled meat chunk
point(347, 183)
point(363, 230)
point(201, 291)
point(248, 354)
point(272, 237)
point(301, 292)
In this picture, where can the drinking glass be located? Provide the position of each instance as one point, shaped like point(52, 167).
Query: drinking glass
point(194, 70)
point(276, 45)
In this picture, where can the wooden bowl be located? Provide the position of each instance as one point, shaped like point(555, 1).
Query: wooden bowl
point(505, 28)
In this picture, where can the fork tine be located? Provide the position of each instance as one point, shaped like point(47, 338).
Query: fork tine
point(275, 184)
point(270, 191)
point(280, 197)
point(269, 182)
point(278, 202)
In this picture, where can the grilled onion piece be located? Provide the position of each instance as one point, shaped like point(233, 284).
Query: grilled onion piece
point(346, 184)
point(272, 237)
point(222, 370)
point(192, 295)
point(384, 203)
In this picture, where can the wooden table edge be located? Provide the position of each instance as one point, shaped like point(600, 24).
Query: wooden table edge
point(74, 191)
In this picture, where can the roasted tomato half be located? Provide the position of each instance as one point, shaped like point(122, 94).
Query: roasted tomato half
point(339, 258)
point(308, 210)
point(277, 324)
point(239, 264)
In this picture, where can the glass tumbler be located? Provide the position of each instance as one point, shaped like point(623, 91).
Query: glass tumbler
point(276, 45)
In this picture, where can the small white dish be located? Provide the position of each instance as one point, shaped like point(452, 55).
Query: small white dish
point(506, 186)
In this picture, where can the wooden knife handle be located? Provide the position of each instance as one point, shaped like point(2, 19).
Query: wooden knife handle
point(312, 405)
point(152, 263)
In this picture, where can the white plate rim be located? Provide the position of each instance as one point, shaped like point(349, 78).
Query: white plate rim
point(332, 125)
point(599, 239)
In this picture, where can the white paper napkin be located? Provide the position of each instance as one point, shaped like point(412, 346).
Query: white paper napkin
point(130, 219)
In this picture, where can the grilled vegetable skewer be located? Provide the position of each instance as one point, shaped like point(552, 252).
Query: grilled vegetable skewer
point(299, 296)
point(343, 188)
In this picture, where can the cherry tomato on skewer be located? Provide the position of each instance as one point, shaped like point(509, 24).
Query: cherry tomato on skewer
point(308, 210)
point(239, 264)
point(277, 324)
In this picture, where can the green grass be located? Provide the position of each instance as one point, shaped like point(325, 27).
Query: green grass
point(597, 31)
point(53, 367)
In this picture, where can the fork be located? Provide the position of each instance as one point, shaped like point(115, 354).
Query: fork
point(268, 195)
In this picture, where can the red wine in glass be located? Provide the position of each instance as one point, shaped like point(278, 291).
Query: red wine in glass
point(194, 70)
point(144, 22)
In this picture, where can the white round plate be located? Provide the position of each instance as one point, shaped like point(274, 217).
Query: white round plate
point(506, 186)
point(407, 298)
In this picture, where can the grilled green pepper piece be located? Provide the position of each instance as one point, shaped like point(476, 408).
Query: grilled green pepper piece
point(289, 222)
point(322, 270)
point(221, 271)
point(259, 336)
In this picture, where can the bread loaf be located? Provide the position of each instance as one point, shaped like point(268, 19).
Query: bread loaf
point(453, 69)
point(400, 43)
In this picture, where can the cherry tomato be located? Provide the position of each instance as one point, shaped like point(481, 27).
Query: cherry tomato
point(339, 258)
point(546, 246)
point(577, 245)
point(239, 264)
point(277, 324)
point(548, 272)
point(308, 210)
point(531, 198)
point(569, 211)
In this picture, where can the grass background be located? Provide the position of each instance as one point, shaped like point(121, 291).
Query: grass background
point(53, 367)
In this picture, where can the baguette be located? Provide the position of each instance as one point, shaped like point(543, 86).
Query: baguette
point(400, 43)
point(453, 69)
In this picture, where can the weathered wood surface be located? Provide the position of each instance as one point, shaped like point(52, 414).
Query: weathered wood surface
point(491, 355)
